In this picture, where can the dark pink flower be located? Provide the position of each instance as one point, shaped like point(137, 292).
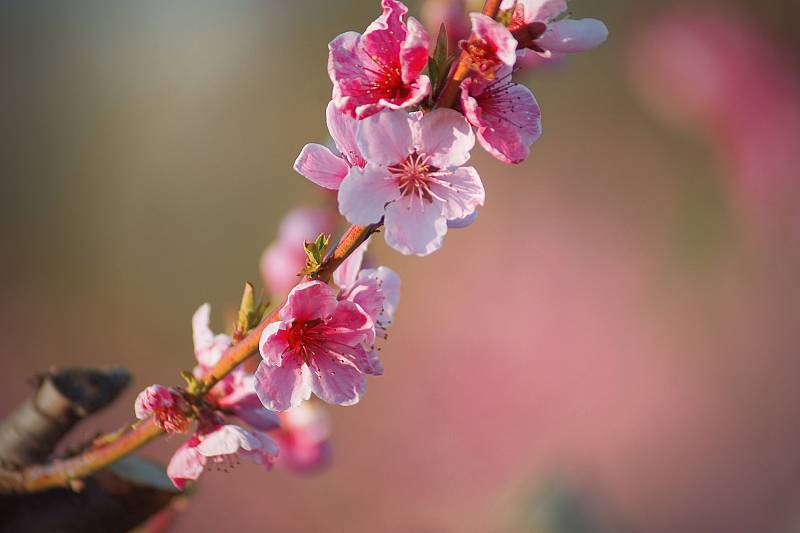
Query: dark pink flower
point(506, 116)
point(538, 27)
point(381, 68)
point(316, 346)
point(321, 165)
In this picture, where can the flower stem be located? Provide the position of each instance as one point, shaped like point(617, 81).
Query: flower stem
point(60, 473)
point(447, 98)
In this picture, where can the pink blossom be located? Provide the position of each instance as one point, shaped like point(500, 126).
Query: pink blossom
point(165, 405)
point(284, 258)
point(506, 116)
point(208, 347)
point(234, 395)
point(376, 291)
point(316, 346)
point(304, 438)
point(537, 25)
point(221, 444)
point(324, 167)
point(151, 399)
point(490, 46)
point(414, 180)
point(381, 68)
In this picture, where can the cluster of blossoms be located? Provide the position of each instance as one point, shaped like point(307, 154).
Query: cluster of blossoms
point(401, 143)
point(301, 438)
point(324, 340)
point(400, 158)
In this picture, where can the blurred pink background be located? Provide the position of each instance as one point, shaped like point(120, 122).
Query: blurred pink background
point(612, 346)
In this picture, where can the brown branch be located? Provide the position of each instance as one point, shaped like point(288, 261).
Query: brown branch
point(61, 473)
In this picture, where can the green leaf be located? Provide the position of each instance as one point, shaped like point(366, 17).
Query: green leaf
point(439, 63)
point(440, 53)
point(315, 254)
point(193, 385)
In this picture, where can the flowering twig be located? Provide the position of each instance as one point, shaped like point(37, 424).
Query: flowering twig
point(464, 64)
point(61, 472)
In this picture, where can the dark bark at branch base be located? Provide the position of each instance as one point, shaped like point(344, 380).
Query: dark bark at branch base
point(116, 499)
point(29, 434)
point(108, 502)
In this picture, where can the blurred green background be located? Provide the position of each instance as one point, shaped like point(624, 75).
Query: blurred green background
point(612, 346)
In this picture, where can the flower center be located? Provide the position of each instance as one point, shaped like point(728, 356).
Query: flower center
point(483, 57)
point(303, 338)
point(414, 177)
point(386, 80)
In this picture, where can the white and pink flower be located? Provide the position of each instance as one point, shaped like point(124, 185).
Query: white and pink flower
point(381, 68)
point(318, 346)
point(220, 444)
point(506, 116)
point(540, 28)
point(414, 179)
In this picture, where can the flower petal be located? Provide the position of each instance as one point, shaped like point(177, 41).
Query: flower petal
point(274, 342)
point(414, 51)
point(458, 223)
point(336, 383)
point(542, 10)
point(265, 453)
point(414, 229)
point(346, 71)
point(208, 347)
point(186, 463)
point(462, 190)
point(250, 410)
point(389, 284)
point(342, 128)
point(346, 274)
point(311, 300)
point(496, 35)
point(226, 440)
point(505, 114)
point(151, 399)
point(321, 166)
point(350, 325)
point(571, 35)
point(282, 387)
point(364, 194)
point(385, 138)
point(445, 135)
